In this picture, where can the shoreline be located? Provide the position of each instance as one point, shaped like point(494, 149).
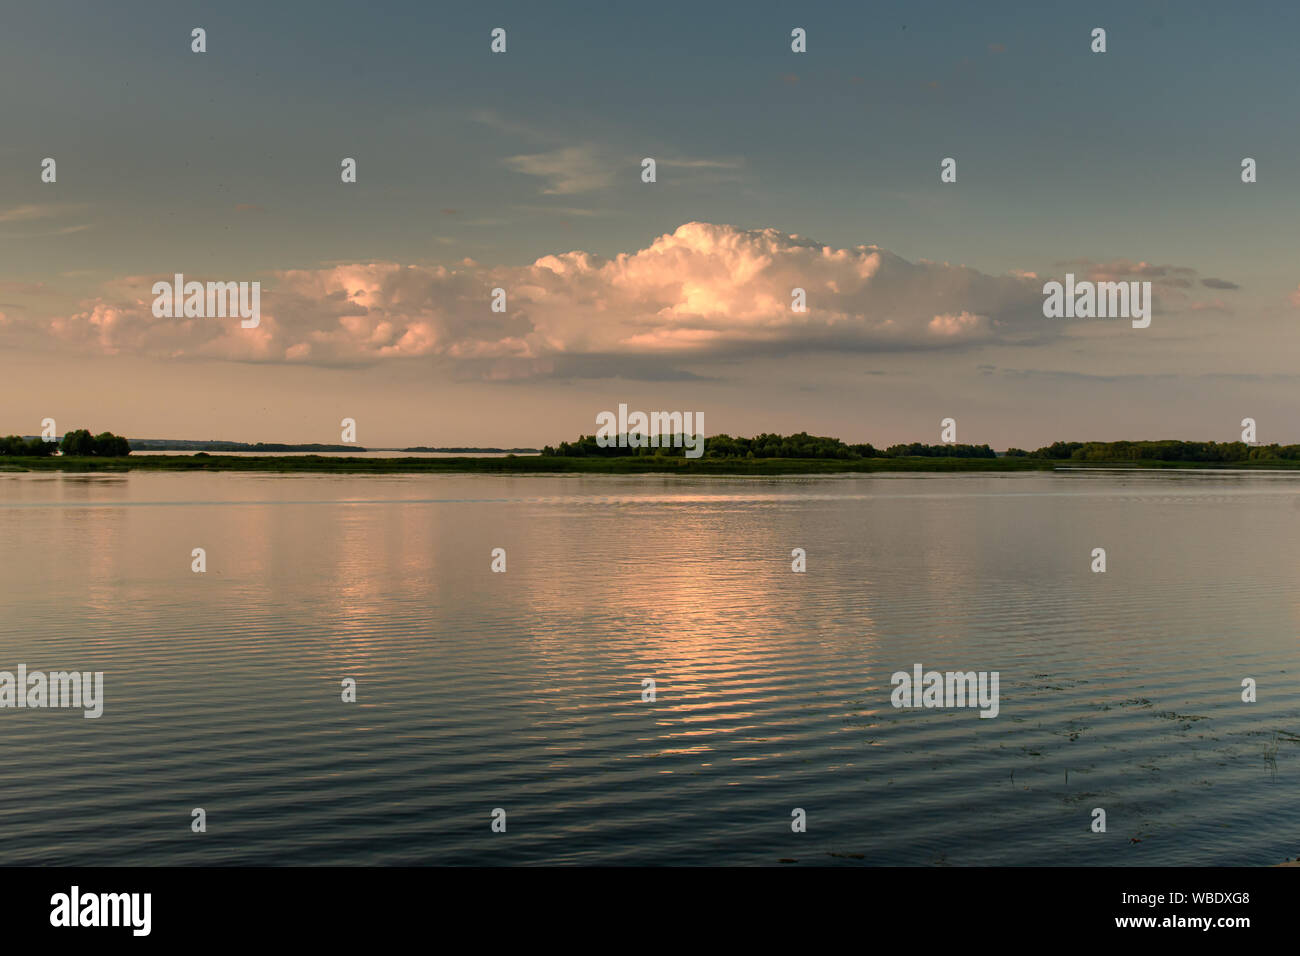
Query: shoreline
point(626, 465)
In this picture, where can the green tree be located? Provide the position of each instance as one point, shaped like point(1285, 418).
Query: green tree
point(80, 443)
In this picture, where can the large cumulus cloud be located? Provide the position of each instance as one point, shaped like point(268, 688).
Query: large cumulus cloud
point(703, 291)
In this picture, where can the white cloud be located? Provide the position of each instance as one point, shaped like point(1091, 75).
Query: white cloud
point(567, 171)
point(701, 292)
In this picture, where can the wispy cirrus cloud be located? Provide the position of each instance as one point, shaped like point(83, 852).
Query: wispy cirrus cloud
point(566, 171)
point(28, 212)
point(569, 166)
point(684, 163)
point(571, 170)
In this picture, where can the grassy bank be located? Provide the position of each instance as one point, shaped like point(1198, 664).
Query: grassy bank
point(533, 464)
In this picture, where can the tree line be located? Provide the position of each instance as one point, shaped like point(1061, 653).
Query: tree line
point(803, 445)
point(1168, 450)
point(800, 445)
point(76, 444)
point(80, 443)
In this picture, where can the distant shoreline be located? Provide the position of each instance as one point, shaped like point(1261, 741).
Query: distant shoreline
point(216, 447)
point(626, 465)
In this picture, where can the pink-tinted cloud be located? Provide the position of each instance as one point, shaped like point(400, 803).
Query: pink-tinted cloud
point(702, 291)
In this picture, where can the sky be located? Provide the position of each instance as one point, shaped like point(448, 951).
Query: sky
point(522, 171)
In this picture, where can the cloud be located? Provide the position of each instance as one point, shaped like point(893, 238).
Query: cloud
point(29, 212)
point(702, 292)
point(703, 163)
point(1171, 285)
point(952, 326)
point(33, 212)
point(1119, 270)
point(567, 171)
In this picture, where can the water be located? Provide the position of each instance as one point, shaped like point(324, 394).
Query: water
point(523, 690)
